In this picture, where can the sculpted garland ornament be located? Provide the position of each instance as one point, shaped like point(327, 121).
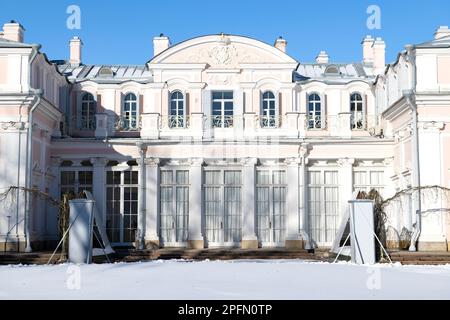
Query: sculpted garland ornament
point(224, 53)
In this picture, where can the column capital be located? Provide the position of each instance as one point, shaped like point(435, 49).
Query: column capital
point(388, 161)
point(195, 162)
point(346, 162)
point(99, 161)
point(249, 161)
point(304, 150)
point(55, 161)
point(152, 161)
point(293, 161)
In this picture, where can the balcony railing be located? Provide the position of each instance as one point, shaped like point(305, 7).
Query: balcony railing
point(127, 123)
point(293, 124)
point(269, 121)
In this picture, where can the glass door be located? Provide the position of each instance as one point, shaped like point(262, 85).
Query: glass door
point(121, 206)
point(271, 207)
point(174, 191)
point(222, 203)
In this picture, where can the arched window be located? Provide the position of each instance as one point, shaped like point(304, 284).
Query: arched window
point(177, 110)
point(357, 111)
point(129, 112)
point(314, 111)
point(268, 110)
point(88, 111)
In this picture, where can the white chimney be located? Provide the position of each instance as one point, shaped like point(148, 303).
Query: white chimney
point(442, 32)
point(160, 44)
point(322, 58)
point(379, 56)
point(280, 44)
point(367, 45)
point(75, 51)
point(13, 31)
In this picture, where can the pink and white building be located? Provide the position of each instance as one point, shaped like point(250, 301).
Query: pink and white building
point(223, 140)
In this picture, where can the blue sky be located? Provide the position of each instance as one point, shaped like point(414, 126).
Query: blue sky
point(121, 32)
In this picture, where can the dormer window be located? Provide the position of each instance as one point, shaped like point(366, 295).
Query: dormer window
point(105, 72)
point(332, 70)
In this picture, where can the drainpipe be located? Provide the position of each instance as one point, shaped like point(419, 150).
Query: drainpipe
point(409, 94)
point(29, 169)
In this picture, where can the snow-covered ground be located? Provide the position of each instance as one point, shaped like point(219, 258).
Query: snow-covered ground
point(240, 279)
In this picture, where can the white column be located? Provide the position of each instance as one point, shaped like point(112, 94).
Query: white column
point(293, 239)
point(141, 198)
point(195, 238)
point(303, 179)
point(249, 238)
point(345, 183)
point(152, 202)
point(98, 184)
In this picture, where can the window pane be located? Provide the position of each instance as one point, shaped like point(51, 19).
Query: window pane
point(166, 177)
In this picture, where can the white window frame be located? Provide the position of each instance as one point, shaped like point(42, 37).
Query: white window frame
point(225, 121)
point(271, 186)
point(357, 121)
point(91, 104)
point(175, 119)
point(174, 242)
point(268, 121)
point(315, 118)
point(221, 242)
point(127, 116)
point(122, 187)
point(323, 186)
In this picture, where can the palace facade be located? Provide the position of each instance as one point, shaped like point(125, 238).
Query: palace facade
point(223, 140)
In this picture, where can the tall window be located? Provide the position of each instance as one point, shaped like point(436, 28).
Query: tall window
point(177, 110)
point(88, 110)
point(222, 205)
point(356, 109)
point(368, 180)
point(271, 206)
point(323, 200)
point(314, 111)
point(268, 111)
point(129, 116)
point(76, 181)
point(121, 206)
point(222, 109)
point(174, 190)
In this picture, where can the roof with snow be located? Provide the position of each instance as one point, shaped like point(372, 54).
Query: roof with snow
point(333, 73)
point(106, 73)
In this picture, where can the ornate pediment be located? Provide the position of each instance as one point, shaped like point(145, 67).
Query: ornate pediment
point(222, 51)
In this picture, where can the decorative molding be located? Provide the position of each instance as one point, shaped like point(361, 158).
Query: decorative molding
point(196, 162)
point(431, 125)
point(293, 161)
point(12, 125)
point(99, 161)
point(345, 162)
point(249, 161)
point(152, 161)
point(388, 162)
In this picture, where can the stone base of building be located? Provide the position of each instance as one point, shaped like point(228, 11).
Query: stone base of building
point(196, 244)
point(249, 244)
point(12, 246)
point(294, 244)
point(152, 244)
point(432, 246)
point(392, 245)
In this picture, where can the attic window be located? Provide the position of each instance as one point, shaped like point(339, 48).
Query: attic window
point(105, 72)
point(333, 70)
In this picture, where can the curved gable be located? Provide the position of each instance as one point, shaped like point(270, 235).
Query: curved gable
point(222, 50)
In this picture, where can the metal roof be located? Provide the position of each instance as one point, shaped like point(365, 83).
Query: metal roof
point(4, 43)
point(437, 43)
point(347, 72)
point(118, 74)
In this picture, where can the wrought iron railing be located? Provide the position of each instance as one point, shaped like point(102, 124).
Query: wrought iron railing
point(222, 121)
point(126, 123)
point(269, 121)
